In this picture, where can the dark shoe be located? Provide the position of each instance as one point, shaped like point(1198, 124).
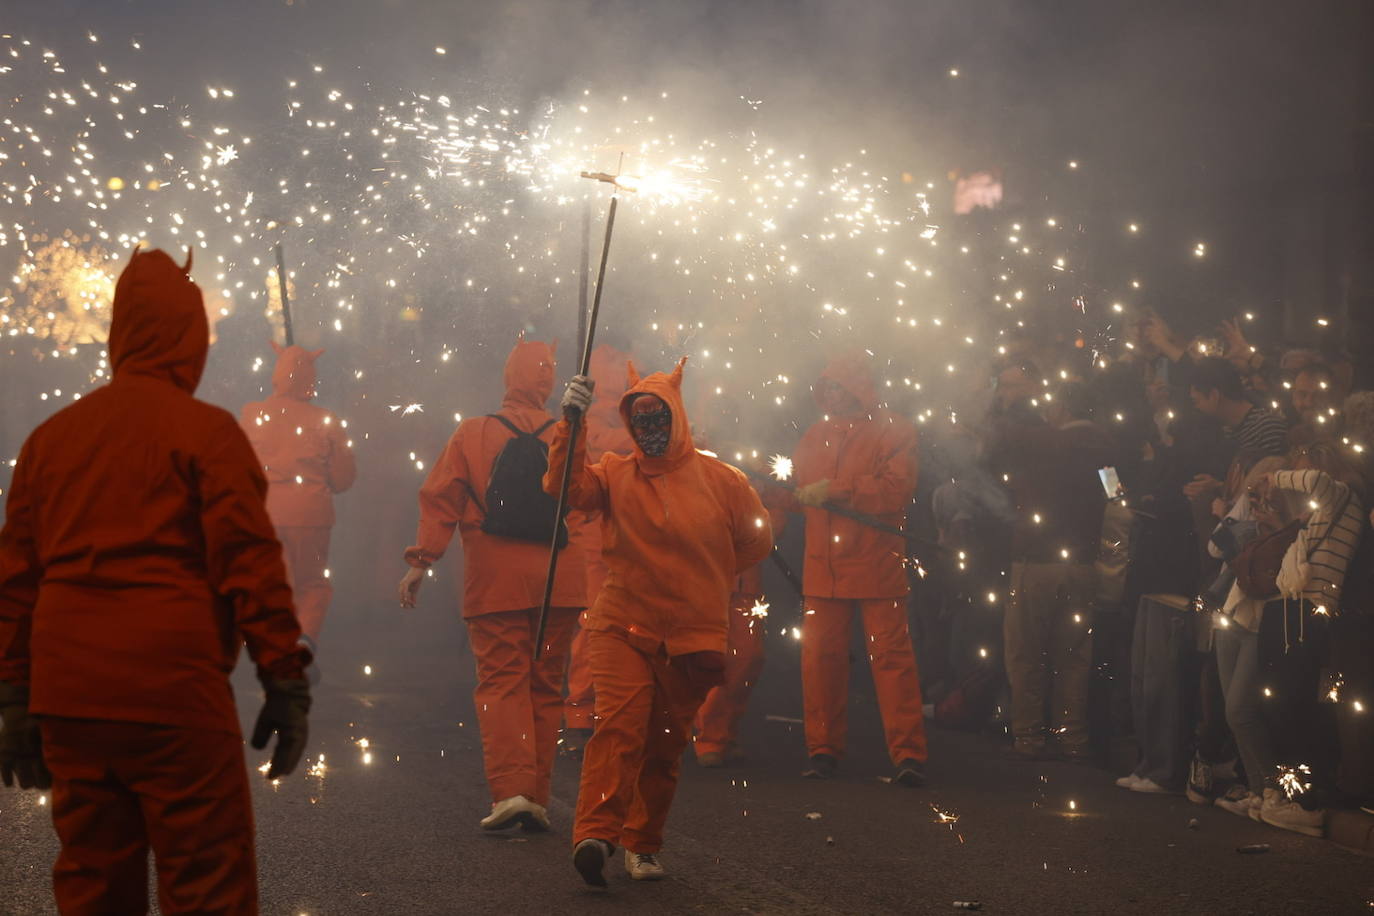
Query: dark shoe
point(823, 766)
point(589, 858)
point(910, 773)
point(1200, 791)
point(573, 741)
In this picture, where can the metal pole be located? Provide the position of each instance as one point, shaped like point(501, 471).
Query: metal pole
point(575, 424)
point(285, 298)
point(582, 272)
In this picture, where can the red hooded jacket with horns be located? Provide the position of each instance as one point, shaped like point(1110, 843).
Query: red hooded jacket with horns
point(304, 449)
point(499, 574)
point(137, 555)
point(676, 531)
point(870, 460)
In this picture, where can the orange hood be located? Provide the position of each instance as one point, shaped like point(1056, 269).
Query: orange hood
point(668, 387)
point(529, 374)
point(852, 373)
point(159, 328)
point(294, 376)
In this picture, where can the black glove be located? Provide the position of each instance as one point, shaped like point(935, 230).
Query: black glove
point(21, 744)
point(285, 710)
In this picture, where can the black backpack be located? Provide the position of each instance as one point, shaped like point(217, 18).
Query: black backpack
point(516, 505)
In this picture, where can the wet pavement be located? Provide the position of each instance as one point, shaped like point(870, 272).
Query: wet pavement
point(390, 826)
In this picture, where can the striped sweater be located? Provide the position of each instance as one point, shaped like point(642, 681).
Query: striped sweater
point(1314, 567)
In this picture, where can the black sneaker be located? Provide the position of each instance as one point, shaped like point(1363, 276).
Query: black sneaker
point(910, 773)
point(589, 858)
point(1200, 791)
point(823, 766)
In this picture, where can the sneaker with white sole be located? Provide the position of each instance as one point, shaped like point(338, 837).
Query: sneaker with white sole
point(1200, 789)
point(1238, 800)
point(1149, 786)
point(644, 866)
point(516, 811)
point(1129, 781)
point(1281, 811)
point(589, 858)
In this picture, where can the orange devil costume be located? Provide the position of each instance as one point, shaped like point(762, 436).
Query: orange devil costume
point(519, 701)
point(307, 457)
point(870, 460)
point(606, 433)
point(136, 558)
point(676, 531)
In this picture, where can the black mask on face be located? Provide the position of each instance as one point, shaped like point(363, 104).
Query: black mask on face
point(652, 431)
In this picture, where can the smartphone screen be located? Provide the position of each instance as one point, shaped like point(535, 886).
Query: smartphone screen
point(1111, 483)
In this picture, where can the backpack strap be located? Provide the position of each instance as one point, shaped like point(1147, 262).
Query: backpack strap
point(517, 430)
point(507, 424)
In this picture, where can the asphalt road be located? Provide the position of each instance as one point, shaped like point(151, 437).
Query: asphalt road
point(396, 831)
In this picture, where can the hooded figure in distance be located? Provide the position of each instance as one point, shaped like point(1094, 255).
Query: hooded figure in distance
point(137, 557)
point(488, 481)
point(306, 455)
point(861, 457)
point(678, 527)
point(606, 432)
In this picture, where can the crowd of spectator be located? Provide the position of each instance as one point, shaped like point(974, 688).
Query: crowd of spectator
point(1172, 547)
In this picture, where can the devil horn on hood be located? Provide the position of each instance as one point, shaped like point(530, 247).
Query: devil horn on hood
point(676, 378)
point(632, 375)
point(186, 268)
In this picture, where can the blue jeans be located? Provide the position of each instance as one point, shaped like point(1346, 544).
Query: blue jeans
point(1238, 663)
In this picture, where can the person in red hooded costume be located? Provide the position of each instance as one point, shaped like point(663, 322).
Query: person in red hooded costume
point(677, 528)
point(861, 457)
point(306, 455)
point(136, 558)
point(519, 700)
point(606, 434)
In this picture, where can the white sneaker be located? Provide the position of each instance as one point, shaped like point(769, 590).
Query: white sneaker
point(1150, 786)
point(644, 866)
point(517, 809)
point(1238, 800)
point(1129, 781)
point(1280, 811)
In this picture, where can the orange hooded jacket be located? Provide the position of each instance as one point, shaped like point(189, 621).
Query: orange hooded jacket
point(871, 463)
point(499, 574)
point(137, 555)
point(304, 449)
point(676, 531)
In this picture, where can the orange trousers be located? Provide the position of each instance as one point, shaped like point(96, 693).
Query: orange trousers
point(306, 552)
point(121, 788)
point(579, 709)
point(825, 675)
point(718, 720)
point(644, 709)
point(519, 700)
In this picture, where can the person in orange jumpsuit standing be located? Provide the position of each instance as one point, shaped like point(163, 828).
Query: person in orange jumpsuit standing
point(864, 458)
point(677, 528)
point(307, 458)
point(717, 722)
point(519, 700)
point(606, 433)
point(137, 558)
